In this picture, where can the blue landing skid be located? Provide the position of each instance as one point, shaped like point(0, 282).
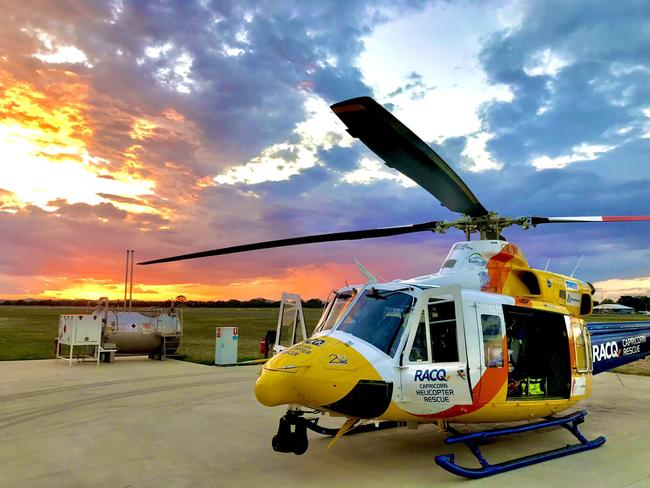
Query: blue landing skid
point(476, 439)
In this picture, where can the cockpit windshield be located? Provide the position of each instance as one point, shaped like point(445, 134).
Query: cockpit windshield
point(379, 317)
point(333, 310)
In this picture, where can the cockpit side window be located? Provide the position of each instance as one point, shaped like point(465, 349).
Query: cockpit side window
point(442, 331)
point(334, 311)
point(326, 310)
point(379, 317)
point(419, 349)
point(492, 340)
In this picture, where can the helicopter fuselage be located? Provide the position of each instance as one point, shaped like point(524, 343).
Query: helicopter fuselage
point(485, 339)
point(445, 346)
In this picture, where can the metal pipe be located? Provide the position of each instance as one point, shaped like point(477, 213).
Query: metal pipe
point(126, 276)
point(131, 286)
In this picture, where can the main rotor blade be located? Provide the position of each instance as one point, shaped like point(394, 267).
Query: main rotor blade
point(401, 149)
point(293, 241)
point(597, 218)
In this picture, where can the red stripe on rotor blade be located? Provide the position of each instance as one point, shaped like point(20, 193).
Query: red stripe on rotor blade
point(625, 218)
point(348, 108)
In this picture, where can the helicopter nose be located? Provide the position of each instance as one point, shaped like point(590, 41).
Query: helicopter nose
point(323, 372)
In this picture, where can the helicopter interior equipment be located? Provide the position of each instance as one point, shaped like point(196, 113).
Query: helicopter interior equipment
point(485, 339)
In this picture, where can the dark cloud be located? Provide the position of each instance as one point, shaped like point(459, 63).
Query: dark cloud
point(121, 199)
point(414, 87)
point(84, 211)
point(341, 159)
point(579, 73)
point(451, 149)
point(601, 55)
point(249, 63)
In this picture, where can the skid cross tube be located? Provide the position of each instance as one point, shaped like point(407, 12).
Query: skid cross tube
point(312, 424)
point(476, 439)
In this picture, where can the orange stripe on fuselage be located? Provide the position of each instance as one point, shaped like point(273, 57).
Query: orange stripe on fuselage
point(497, 269)
point(484, 392)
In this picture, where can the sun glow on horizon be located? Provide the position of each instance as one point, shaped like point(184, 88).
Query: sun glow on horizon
point(44, 136)
point(311, 281)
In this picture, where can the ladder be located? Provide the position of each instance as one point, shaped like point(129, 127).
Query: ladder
point(291, 309)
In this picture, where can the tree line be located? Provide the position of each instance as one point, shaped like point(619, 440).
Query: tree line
point(180, 301)
point(638, 302)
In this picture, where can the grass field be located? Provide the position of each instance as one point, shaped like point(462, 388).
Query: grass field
point(29, 332)
point(200, 323)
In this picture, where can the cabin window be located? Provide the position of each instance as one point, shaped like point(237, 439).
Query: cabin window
point(442, 331)
point(450, 263)
point(419, 350)
point(580, 345)
point(379, 317)
point(492, 340)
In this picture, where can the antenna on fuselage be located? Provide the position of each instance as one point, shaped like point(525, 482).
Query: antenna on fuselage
point(547, 265)
point(576, 268)
point(364, 271)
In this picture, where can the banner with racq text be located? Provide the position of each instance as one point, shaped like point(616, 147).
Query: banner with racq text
point(614, 344)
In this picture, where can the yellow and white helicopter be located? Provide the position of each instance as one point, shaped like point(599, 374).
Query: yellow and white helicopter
point(486, 339)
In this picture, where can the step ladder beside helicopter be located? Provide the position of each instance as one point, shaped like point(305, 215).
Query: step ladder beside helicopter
point(291, 320)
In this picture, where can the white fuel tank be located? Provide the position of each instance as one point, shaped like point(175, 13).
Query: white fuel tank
point(142, 332)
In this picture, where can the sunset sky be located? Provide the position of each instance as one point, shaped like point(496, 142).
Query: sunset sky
point(171, 127)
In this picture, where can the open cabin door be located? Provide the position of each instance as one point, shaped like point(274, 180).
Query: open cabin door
point(434, 375)
point(489, 353)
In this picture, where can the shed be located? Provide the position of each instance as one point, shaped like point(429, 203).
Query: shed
point(613, 308)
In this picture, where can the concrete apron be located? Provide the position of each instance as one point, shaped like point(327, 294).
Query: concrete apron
point(143, 423)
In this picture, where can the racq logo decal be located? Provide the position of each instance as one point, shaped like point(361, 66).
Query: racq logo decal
point(606, 350)
point(430, 375)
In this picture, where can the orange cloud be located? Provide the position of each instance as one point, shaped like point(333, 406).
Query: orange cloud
point(49, 135)
point(616, 287)
point(44, 133)
point(9, 201)
point(310, 281)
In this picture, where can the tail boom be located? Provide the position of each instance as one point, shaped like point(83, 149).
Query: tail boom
point(614, 344)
